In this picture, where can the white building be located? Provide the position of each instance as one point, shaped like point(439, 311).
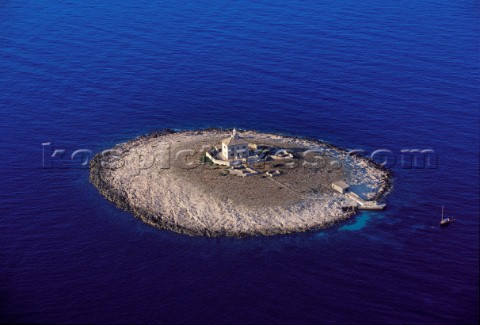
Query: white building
point(340, 186)
point(234, 147)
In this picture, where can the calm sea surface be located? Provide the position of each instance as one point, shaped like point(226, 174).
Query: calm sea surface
point(374, 74)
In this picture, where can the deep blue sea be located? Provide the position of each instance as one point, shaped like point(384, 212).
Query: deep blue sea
point(372, 74)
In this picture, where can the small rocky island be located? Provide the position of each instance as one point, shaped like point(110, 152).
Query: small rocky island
point(218, 182)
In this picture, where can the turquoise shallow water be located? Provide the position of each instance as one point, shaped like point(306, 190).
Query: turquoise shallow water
point(368, 75)
point(360, 223)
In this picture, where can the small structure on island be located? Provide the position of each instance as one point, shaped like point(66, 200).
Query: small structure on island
point(355, 202)
point(234, 147)
point(273, 172)
point(236, 151)
point(233, 151)
point(340, 186)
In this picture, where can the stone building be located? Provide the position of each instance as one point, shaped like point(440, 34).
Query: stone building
point(340, 187)
point(234, 147)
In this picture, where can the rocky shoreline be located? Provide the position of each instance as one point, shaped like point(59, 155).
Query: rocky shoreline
point(200, 202)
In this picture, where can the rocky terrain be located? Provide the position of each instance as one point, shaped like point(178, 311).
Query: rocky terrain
point(162, 179)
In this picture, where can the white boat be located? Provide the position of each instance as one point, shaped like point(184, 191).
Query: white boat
point(445, 221)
